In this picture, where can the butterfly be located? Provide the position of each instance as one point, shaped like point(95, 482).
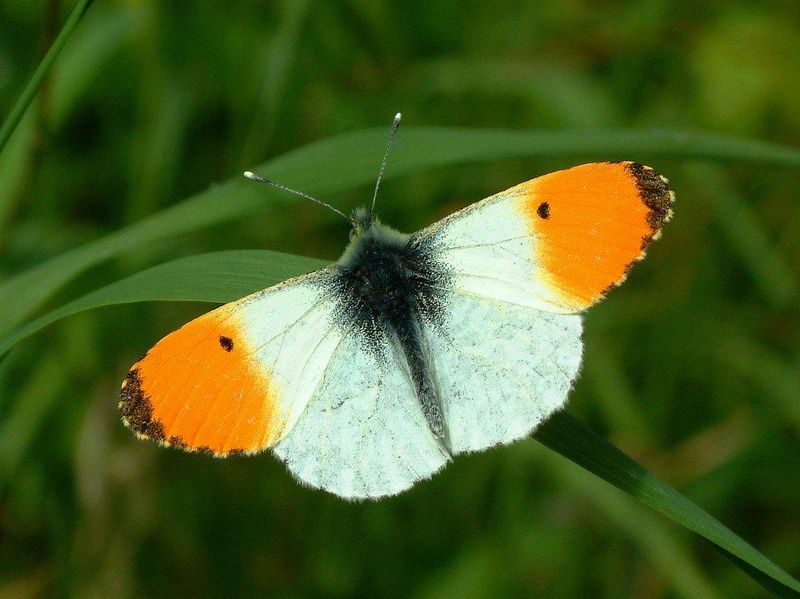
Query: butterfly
point(371, 374)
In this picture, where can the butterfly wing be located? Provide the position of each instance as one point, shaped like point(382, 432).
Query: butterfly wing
point(559, 242)
point(521, 264)
point(279, 369)
point(500, 368)
point(237, 378)
point(363, 434)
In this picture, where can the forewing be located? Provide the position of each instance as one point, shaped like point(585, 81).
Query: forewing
point(500, 368)
point(237, 378)
point(559, 242)
point(363, 434)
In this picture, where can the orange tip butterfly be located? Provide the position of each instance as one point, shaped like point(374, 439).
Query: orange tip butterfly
point(371, 374)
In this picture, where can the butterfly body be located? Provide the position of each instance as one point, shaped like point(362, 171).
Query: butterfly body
point(371, 374)
point(385, 283)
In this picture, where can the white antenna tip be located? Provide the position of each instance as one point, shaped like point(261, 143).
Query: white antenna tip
point(250, 175)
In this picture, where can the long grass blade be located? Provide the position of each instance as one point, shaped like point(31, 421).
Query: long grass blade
point(29, 93)
point(347, 161)
point(224, 276)
point(579, 444)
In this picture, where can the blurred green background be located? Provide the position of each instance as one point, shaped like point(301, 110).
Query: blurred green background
point(691, 367)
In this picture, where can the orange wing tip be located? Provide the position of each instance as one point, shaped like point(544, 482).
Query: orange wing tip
point(592, 223)
point(137, 414)
point(200, 389)
point(657, 195)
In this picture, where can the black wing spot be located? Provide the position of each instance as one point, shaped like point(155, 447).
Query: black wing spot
point(543, 210)
point(226, 343)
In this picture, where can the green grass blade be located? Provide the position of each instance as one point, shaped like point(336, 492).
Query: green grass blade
point(29, 93)
point(568, 437)
point(15, 171)
point(224, 276)
point(214, 277)
point(668, 552)
point(599, 144)
point(349, 160)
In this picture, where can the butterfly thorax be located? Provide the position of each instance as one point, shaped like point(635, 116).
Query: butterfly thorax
point(376, 278)
point(388, 285)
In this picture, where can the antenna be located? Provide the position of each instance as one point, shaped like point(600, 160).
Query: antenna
point(253, 177)
point(392, 132)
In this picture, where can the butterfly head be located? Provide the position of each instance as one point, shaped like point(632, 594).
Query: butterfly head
point(362, 221)
point(368, 236)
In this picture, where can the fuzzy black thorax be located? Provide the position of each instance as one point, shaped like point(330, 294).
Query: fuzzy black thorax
point(384, 278)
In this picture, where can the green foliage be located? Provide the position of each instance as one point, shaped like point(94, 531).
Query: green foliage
point(692, 366)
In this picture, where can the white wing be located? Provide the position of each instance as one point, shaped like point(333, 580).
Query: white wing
point(559, 242)
point(362, 434)
point(490, 251)
point(500, 368)
point(275, 369)
point(237, 378)
point(505, 348)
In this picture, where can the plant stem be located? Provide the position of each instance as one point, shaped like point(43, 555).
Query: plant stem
point(30, 91)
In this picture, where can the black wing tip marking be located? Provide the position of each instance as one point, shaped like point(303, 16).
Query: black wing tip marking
point(656, 193)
